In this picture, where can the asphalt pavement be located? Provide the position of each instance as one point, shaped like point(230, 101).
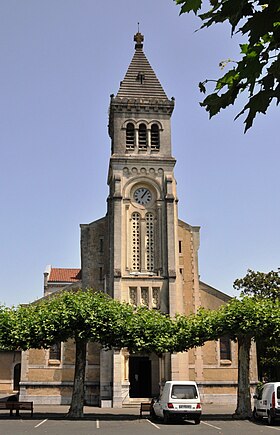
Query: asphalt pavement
point(209, 411)
point(51, 420)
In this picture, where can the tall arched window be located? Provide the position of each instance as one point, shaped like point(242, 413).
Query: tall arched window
point(155, 137)
point(225, 348)
point(135, 220)
point(150, 242)
point(130, 136)
point(142, 136)
point(55, 351)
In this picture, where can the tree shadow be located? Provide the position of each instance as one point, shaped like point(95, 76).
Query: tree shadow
point(218, 417)
point(64, 416)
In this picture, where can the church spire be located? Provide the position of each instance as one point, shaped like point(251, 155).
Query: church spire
point(140, 80)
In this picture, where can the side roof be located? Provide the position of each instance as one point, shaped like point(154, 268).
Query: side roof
point(214, 292)
point(63, 275)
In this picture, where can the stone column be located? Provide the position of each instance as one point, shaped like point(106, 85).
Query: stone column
point(158, 240)
point(127, 224)
point(117, 242)
point(24, 374)
point(171, 244)
point(165, 372)
point(198, 352)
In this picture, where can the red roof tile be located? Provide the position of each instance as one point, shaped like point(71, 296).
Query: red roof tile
point(64, 275)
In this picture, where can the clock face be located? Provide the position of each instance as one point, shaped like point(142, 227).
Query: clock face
point(142, 196)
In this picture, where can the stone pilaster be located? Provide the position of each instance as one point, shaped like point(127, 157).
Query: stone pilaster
point(179, 366)
point(106, 359)
point(117, 379)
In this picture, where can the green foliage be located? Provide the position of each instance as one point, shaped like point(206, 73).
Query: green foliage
point(271, 356)
point(88, 315)
point(150, 331)
point(85, 315)
point(257, 318)
point(7, 326)
point(260, 284)
point(95, 316)
point(82, 314)
point(195, 330)
point(239, 318)
point(258, 70)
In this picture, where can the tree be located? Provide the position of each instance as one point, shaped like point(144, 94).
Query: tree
point(84, 316)
point(260, 285)
point(235, 320)
point(258, 70)
point(194, 330)
point(8, 340)
point(246, 320)
point(243, 321)
point(150, 331)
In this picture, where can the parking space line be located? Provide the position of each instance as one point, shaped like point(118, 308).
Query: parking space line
point(97, 424)
point(39, 424)
point(153, 424)
point(211, 425)
point(272, 427)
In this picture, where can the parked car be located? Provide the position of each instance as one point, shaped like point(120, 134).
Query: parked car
point(179, 399)
point(267, 402)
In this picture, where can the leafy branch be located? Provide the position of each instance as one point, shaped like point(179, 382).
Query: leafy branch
point(258, 70)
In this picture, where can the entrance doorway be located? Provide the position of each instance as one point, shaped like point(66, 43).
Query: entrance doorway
point(16, 379)
point(140, 376)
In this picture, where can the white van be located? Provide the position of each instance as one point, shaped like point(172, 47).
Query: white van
point(179, 399)
point(267, 402)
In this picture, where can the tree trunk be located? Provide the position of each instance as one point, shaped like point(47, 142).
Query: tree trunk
point(244, 409)
point(77, 402)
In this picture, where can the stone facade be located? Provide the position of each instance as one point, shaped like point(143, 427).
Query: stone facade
point(49, 380)
point(10, 369)
point(141, 253)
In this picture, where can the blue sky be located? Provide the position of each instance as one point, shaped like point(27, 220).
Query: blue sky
point(60, 61)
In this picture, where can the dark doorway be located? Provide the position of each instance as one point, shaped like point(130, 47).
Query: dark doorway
point(17, 369)
point(140, 376)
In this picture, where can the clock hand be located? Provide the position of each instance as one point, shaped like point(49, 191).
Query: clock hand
point(144, 194)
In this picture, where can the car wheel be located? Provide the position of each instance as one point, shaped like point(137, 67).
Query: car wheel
point(196, 420)
point(270, 419)
point(165, 418)
point(256, 417)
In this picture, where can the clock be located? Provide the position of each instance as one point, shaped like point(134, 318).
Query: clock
point(142, 196)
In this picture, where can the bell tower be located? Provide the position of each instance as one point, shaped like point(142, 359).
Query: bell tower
point(133, 252)
point(142, 202)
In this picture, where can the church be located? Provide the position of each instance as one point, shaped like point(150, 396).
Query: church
point(142, 253)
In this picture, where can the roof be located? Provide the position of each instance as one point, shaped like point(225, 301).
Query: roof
point(214, 292)
point(64, 275)
point(140, 80)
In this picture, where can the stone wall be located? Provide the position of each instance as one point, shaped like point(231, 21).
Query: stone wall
point(8, 361)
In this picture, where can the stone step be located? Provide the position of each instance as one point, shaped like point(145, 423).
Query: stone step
point(135, 402)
